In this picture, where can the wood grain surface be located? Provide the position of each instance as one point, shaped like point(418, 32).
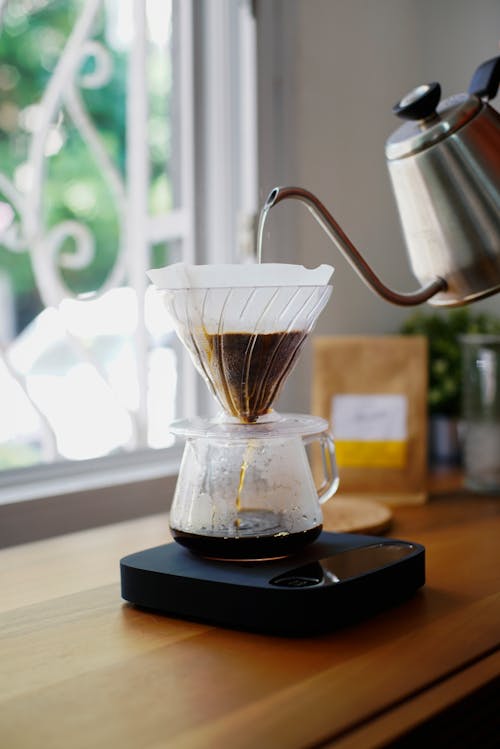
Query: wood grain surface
point(80, 668)
point(357, 515)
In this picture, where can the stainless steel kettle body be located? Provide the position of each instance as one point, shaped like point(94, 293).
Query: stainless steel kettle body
point(444, 165)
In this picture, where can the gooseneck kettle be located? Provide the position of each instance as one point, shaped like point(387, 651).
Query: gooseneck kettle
point(444, 165)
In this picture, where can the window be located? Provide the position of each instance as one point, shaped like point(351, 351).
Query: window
point(127, 141)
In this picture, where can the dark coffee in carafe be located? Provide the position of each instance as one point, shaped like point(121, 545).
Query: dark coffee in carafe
point(258, 535)
point(249, 369)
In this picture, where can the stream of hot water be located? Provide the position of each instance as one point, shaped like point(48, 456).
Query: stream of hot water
point(260, 230)
point(249, 448)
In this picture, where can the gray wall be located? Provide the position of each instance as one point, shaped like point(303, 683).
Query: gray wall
point(329, 73)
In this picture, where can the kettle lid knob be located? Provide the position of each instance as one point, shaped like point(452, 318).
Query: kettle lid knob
point(420, 104)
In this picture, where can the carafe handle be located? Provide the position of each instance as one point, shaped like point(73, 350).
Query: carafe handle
point(330, 482)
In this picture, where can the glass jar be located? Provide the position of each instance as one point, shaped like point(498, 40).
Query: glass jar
point(481, 412)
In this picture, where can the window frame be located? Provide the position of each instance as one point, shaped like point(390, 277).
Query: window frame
point(43, 500)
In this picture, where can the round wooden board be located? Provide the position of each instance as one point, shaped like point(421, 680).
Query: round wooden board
point(356, 515)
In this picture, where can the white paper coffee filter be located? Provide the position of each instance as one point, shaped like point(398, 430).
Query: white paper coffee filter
point(183, 276)
point(249, 310)
point(264, 298)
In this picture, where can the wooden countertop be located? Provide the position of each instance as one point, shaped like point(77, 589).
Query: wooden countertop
point(82, 669)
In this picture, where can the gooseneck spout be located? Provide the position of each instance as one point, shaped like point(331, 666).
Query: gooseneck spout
point(349, 251)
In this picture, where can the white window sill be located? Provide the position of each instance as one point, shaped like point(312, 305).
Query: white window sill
point(50, 500)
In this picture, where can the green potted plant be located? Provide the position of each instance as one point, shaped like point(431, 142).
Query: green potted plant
point(443, 330)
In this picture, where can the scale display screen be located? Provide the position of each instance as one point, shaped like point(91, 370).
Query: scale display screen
point(344, 565)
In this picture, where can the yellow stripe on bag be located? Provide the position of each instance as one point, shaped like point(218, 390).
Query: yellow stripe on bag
point(373, 454)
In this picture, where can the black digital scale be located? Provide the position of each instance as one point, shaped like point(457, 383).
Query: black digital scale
point(337, 580)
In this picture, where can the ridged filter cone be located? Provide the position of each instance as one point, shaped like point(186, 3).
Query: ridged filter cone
point(244, 340)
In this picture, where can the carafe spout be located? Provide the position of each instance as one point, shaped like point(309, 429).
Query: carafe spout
point(349, 251)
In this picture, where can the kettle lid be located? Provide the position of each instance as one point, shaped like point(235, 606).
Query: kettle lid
point(428, 121)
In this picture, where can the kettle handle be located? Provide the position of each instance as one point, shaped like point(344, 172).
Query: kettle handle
point(486, 79)
point(349, 251)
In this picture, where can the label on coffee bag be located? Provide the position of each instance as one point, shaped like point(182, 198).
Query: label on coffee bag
point(370, 430)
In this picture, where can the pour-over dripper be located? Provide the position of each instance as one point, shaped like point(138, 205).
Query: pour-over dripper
point(244, 332)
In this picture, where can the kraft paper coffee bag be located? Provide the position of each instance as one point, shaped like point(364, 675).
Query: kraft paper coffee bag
point(373, 391)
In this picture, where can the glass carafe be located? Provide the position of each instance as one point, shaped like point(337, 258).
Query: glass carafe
point(247, 492)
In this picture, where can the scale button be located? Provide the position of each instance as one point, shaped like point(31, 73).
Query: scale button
point(300, 577)
point(295, 582)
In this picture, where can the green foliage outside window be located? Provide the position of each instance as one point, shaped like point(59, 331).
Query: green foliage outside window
point(30, 46)
point(32, 39)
